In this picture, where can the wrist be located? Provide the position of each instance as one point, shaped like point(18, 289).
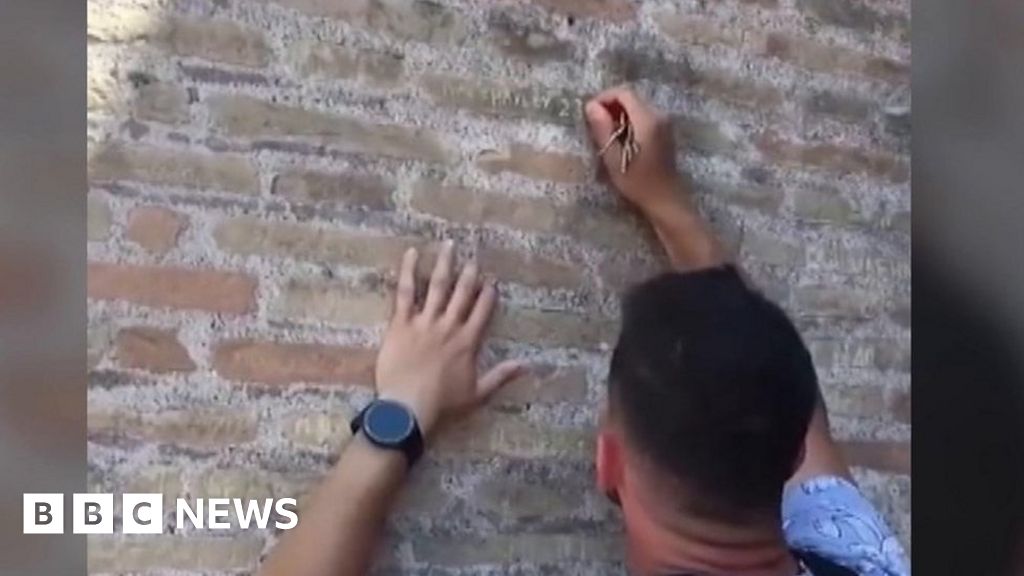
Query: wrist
point(665, 201)
point(425, 412)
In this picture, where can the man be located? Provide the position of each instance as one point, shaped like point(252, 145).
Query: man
point(714, 440)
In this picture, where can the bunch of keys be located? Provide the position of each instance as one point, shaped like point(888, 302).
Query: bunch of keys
point(623, 133)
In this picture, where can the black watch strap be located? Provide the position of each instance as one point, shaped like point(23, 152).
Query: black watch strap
point(412, 446)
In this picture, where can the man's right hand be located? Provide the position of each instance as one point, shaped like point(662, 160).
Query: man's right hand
point(651, 180)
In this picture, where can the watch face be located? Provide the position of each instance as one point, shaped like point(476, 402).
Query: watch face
point(388, 422)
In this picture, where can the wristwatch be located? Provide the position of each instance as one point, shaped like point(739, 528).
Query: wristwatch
point(390, 425)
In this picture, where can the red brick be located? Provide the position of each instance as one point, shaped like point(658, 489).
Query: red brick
point(688, 30)
point(613, 229)
point(246, 117)
point(878, 455)
point(153, 349)
point(358, 190)
point(198, 427)
point(162, 103)
point(521, 548)
point(772, 250)
point(840, 159)
point(529, 268)
point(214, 39)
point(628, 65)
point(482, 207)
point(172, 287)
point(282, 363)
point(718, 85)
point(333, 61)
point(318, 430)
point(216, 75)
point(554, 328)
point(900, 222)
point(170, 167)
point(766, 199)
point(545, 385)
point(799, 51)
point(489, 433)
point(843, 107)
point(870, 402)
point(892, 355)
point(526, 41)
point(334, 301)
point(702, 136)
point(816, 57)
point(248, 236)
point(530, 498)
point(899, 405)
point(822, 204)
point(154, 228)
point(192, 553)
point(503, 100)
point(618, 274)
point(835, 301)
point(856, 15)
point(610, 10)
point(417, 20)
point(533, 163)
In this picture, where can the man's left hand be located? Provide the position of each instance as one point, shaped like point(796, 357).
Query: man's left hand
point(428, 357)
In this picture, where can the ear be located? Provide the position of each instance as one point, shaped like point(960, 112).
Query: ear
point(609, 461)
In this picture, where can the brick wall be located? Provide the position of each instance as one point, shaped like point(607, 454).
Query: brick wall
point(257, 166)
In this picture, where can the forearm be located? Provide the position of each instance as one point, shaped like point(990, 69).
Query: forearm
point(426, 369)
point(339, 526)
point(686, 236)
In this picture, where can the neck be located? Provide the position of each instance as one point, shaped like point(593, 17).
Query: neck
point(662, 541)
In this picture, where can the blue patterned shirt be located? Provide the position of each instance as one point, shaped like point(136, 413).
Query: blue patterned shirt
point(828, 516)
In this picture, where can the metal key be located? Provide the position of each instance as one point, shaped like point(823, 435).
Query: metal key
point(624, 134)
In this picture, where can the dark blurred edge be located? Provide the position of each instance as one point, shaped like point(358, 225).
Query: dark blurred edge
point(42, 274)
point(968, 287)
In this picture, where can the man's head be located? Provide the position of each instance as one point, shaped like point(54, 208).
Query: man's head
point(710, 394)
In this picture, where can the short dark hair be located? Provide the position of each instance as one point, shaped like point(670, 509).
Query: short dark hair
point(715, 386)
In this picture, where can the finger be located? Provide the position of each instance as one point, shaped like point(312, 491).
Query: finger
point(624, 95)
point(463, 297)
point(483, 308)
point(600, 122)
point(440, 281)
point(405, 294)
point(497, 376)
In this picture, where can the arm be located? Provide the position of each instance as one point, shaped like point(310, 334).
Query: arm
point(427, 362)
point(654, 186)
point(652, 183)
point(822, 456)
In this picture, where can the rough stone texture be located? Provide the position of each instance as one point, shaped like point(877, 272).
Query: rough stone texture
point(307, 143)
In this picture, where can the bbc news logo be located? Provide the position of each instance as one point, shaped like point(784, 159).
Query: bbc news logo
point(144, 513)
